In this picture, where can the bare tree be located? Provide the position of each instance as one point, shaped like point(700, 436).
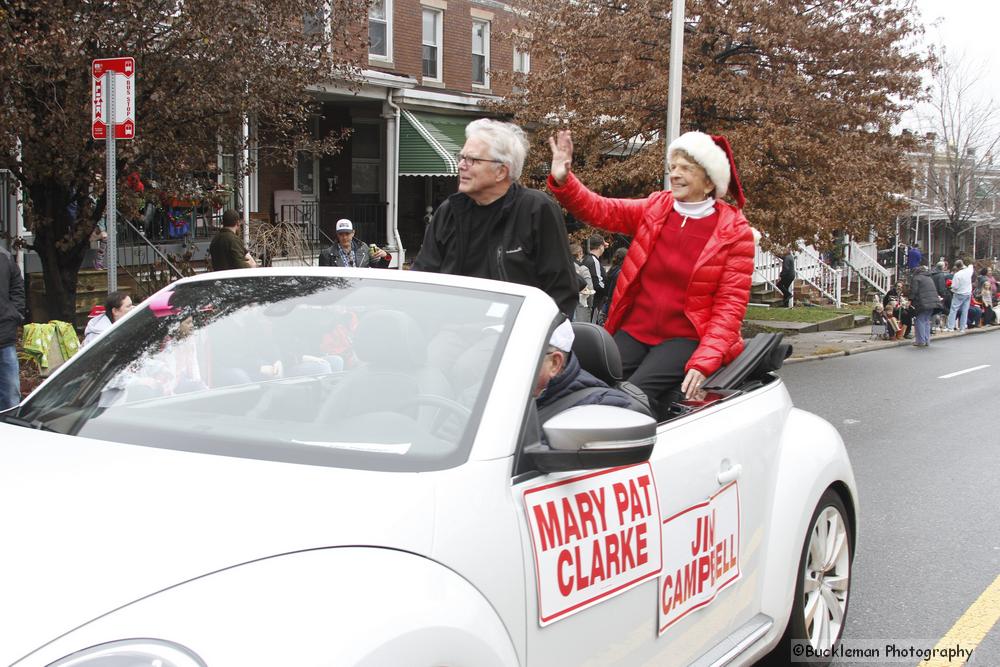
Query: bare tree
point(963, 127)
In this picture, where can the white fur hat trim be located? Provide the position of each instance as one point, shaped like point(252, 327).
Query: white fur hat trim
point(708, 154)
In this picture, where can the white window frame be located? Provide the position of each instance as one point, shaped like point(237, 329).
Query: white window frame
point(485, 55)
point(527, 61)
point(387, 58)
point(439, 45)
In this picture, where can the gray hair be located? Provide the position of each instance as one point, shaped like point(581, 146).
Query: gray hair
point(507, 142)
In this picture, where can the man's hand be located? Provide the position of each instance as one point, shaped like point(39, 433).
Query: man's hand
point(251, 261)
point(562, 155)
point(692, 385)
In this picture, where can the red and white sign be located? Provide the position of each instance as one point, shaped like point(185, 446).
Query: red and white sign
point(594, 536)
point(123, 69)
point(701, 555)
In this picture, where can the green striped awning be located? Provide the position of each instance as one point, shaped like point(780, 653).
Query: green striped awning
point(428, 143)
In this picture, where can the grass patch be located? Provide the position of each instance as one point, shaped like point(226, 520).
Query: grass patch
point(803, 313)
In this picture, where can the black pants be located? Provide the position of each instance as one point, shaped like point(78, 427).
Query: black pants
point(656, 369)
point(786, 292)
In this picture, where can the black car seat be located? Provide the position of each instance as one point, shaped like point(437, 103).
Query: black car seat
point(598, 354)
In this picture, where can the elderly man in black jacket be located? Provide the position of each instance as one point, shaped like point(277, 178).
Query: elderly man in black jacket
point(925, 299)
point(493, 227)
point(11, 316)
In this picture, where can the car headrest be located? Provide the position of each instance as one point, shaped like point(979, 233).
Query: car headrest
point(597, 352)
point(390, 338)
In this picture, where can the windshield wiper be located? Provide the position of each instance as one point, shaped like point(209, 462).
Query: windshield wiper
point(34, 424)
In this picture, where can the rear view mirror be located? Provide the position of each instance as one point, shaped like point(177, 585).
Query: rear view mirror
point(594, 436)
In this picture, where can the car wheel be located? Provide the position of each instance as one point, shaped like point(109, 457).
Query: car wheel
point(823, 583)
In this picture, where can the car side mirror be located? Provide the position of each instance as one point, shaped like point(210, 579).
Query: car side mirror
point(594, 436)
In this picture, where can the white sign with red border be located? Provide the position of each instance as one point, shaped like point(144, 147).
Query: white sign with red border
point(701, 555)
point(594, 536)
point(123, 69)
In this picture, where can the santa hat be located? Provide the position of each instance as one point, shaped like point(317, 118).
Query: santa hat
point(715, 156)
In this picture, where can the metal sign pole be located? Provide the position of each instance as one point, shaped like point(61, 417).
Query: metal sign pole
point(674, 83)
point(111, 208)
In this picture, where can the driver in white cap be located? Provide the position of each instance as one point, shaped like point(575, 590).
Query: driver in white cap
point(349, 251)
point(562, 375)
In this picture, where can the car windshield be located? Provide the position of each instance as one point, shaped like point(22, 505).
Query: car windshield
point(349, 372)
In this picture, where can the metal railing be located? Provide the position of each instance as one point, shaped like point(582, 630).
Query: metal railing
point(319, 220)
point(148, 266)
point(810, 268)
point(863, 268)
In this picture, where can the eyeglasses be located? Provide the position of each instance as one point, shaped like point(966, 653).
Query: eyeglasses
point(462, 157)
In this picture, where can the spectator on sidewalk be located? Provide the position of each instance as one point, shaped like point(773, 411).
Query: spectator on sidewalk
point(226, 249)
point(598, 276)
point(583, 311)
point(613, 272)
point(115, 307)
point(787, 277)
point(11, 316)
point(894, 329)
point(940, 276)
point(349, 251)
point(926, 300)
point(913, 257)
point(961, 294)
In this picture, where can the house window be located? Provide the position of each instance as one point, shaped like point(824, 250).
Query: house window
point(480, 53)
point(317, 24)
point(522, 61)
point(432, 44)
point(380, 30)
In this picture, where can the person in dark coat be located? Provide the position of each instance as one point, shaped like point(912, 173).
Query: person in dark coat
point(925, 299)
point(349, 251)
point(494, 227)
point(561, 375)
point(11, 316)
point(226, 249)
point(786, 278)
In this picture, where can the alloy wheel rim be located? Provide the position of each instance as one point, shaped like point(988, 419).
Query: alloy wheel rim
point(827, 579)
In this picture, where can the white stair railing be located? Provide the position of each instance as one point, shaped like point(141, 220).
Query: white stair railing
point(813, 270)
point(766, 267)
point(863, 267)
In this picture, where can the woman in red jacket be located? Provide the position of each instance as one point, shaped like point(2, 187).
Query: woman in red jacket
point(684, 286)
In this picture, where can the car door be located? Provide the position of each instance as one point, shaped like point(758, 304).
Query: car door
point(622, 621)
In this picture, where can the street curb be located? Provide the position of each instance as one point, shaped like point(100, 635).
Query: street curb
point(885, 345)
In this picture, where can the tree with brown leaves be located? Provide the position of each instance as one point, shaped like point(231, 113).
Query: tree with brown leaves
point(807, 91)
point(201, 67)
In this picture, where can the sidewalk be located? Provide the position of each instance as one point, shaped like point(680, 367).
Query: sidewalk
point(826, 344)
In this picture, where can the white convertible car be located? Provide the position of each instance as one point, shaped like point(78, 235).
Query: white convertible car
point(344, 467)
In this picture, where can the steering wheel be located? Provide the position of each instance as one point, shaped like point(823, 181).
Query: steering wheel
point(446, 407)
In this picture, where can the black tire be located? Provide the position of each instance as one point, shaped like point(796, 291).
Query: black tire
point(796, 631)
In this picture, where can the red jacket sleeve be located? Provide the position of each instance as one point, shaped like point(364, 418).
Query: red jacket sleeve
point(722, 331)
point(614, 215)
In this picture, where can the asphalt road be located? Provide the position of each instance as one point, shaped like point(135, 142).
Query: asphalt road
point(925, 452)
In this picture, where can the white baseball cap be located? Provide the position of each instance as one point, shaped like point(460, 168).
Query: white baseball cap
point(344, 225)
point(562, 337)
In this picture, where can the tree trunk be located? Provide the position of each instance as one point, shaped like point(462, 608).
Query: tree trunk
point(61, 241)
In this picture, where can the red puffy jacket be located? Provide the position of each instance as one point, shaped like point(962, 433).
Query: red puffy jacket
point(719, 290)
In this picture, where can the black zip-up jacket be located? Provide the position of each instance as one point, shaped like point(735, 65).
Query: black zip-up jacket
point(527, 244)
point(11, 298)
